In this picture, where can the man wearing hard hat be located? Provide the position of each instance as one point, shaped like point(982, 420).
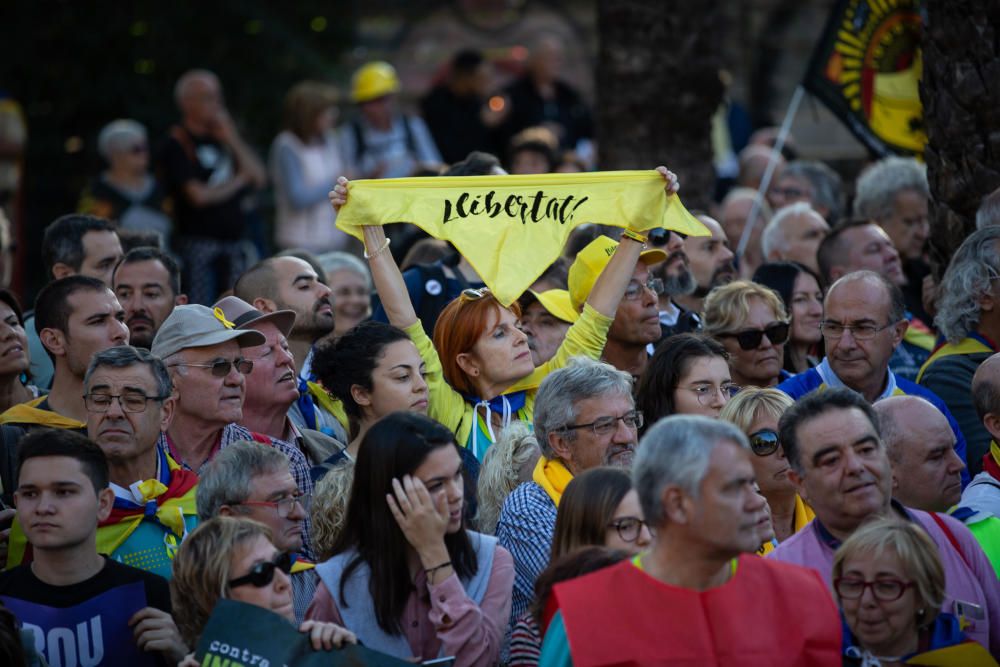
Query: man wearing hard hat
point(383, 142)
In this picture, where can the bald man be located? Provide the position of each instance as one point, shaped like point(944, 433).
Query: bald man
point(926, 471)
point(734, 212)
point(211, 174)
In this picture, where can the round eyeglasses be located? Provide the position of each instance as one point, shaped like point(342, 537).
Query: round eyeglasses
point(628, 528)
point(764, 442)
point(706, 393)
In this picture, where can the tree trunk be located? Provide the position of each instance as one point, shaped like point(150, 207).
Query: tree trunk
point(960, 91)
point(658, 86)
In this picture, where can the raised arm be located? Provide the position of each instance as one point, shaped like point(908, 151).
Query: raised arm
point(385, 274)
point(610, 286)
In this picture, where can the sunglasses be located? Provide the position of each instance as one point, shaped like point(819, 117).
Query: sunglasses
point(764, 442)
point(751, 338)
point(220, 367)
point(470, 294)
point(660, 237)
point(262, 574)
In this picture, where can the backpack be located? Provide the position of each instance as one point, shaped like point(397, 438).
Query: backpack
point(359, 139)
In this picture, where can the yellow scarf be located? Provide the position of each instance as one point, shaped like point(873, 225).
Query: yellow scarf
point(964, 346)
point(803, 515)
point(29, 413)
point(552, 475)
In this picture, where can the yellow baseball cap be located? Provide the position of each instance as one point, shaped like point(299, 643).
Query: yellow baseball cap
point(555, 301)
point(591, 261)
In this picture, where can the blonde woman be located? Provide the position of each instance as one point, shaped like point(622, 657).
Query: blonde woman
point(756, 412)
point(507, 464)
point(750, 320)
point(235, 559)
point(890, 585)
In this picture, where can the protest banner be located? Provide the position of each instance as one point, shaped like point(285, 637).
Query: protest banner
point(511, 228)
point(866, 69)
point(244, 635)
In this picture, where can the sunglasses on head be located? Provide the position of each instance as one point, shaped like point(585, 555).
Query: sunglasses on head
point(764, 442)
point(751, 338)
point(262, 574)
point(470, 294)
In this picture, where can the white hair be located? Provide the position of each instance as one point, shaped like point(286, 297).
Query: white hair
point(116, 134)
point(775, 237)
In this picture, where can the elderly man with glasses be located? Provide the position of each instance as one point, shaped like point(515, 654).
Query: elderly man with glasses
point(585, 418)
point(864, 320)
point(130, 403)
point(254, 481)
point(204, 353)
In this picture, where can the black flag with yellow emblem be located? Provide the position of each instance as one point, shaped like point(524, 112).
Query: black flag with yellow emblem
point(866, 69)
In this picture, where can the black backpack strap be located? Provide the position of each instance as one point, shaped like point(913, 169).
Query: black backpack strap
point(411, 141)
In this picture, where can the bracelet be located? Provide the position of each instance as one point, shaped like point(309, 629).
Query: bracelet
point(381, 250)
point(635, 236)
point(432, 570)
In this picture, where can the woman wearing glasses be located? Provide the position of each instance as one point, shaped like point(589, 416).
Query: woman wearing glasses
point(751, 322)
point(480, 372)
point(598, 508)
point(799, 289)
point(235, 559)
point(756, 412)
point(688, 375)
point(406, 576)
point(890, 585)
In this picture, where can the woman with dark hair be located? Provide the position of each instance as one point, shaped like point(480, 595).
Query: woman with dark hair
point(14, 359)
point(600, 506)
point(480, 371)
point(688, 375)
point(406, 576)
point(801, 291)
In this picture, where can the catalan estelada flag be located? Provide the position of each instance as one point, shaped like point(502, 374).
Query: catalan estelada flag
point(866, 69)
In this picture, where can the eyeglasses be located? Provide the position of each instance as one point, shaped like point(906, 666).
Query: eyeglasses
point(884, 590)
point(764, 442)
point(628, 527)
point(706, 392)
point(262, 574)
point(789, 193)
point(634, 289)
point(835, 330)
point(750, 339)
point(603, 426)
point(133, 402)
point(285, 505)
point(220, 367)
point(470, 294)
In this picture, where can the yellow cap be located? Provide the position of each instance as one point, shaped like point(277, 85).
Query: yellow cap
point(555, 301)
point(591, 261)
point(373, 80)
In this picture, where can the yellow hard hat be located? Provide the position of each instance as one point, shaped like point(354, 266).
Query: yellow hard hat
point(373, 80)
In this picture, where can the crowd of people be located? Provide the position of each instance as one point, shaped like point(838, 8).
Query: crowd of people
point(658, 443)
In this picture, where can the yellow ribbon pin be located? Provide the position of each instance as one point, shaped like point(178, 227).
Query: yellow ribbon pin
point(221, 316)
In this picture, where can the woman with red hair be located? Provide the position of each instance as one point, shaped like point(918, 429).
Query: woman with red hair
point(479, 369)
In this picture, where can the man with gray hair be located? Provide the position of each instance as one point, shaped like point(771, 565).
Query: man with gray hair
point(130, 402)
point(673, 603)
point(204, 353)
point(794, 235)
point(811, 182)
point(252, 480)
point(893, 193)
point(734, 216)
point(926, 471)
point(585, 417)
point(969, 321)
